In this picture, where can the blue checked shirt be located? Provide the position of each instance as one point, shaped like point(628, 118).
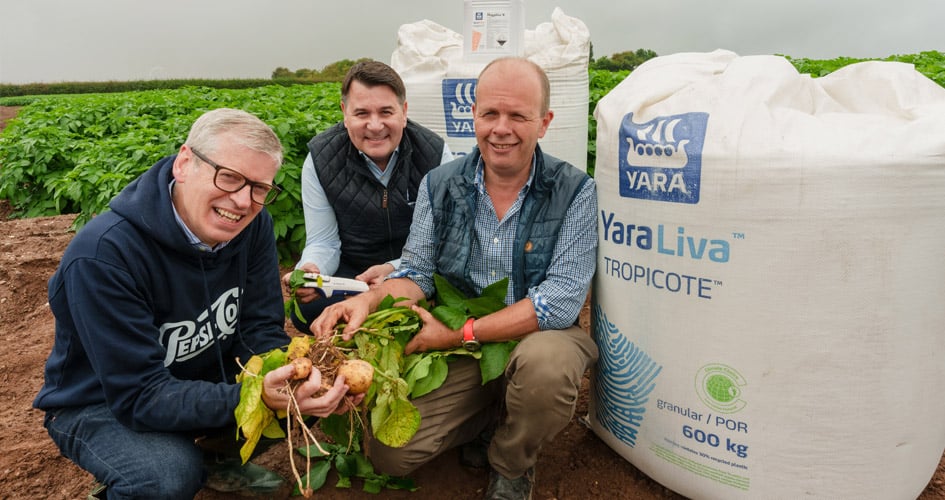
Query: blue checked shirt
point(559, 298)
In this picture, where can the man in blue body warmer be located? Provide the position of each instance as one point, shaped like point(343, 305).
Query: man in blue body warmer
point(505, 210)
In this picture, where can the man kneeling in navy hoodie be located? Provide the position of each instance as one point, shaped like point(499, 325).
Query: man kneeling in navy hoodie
point(156, 301)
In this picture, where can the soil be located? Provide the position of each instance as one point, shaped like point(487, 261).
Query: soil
point(577, 465)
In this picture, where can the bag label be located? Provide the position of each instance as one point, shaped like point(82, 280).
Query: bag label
point(661, 160)
point(459, 94)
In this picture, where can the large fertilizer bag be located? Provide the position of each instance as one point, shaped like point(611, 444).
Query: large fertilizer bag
point(441, 82)
point(770, 294)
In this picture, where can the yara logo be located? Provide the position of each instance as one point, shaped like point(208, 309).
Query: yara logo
point(459, 94)
point(186, 339)
point(661, 159)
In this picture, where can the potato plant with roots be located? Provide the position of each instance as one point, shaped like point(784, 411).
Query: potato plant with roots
point(373, 362)
point(255, 420)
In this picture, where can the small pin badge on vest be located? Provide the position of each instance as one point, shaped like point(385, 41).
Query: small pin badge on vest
point(529, 246)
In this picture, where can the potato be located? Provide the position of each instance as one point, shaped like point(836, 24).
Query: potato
point(358, 375)
point(302, 367)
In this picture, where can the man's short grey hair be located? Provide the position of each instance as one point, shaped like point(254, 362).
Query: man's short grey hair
point(244, 128)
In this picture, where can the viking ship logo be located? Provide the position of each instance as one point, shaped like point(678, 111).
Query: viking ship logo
point(459, 94)
point(656, 145)
point(661, 159)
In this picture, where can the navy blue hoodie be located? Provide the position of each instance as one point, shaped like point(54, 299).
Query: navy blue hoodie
point(131, 300)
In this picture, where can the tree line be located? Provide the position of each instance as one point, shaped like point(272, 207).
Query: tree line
point(628, 60)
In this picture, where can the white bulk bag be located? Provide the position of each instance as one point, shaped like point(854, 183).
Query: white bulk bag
point(770, 293)
point(441, 84)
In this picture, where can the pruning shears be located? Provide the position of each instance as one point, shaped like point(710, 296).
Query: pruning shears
point(333, 285)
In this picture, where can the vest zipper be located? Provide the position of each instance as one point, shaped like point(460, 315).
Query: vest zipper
point(390, 229)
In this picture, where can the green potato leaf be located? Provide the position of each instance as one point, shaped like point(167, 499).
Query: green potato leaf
point(315, 478)
point(400, 425)
point(400, 483)
point(346, 465)
point(416, 366)
point(483, 306)
point(495, 357)
point(337, 428)
point(272, 360)
point(363, 466)
point(452, 317)
point(447, 294)
point(434, 376)
point(296, 279)
point(496, 291)
point(374, 484)
point(313, 451)
point(386, 303)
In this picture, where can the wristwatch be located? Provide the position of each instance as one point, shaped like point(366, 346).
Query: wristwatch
point(469, 339)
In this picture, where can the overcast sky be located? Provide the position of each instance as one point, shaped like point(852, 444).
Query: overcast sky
point(89, 40)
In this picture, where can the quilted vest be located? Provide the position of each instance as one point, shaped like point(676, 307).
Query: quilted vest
point(373, 220)
point(453, 199)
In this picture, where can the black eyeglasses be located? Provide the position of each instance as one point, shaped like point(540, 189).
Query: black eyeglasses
point(231, 181)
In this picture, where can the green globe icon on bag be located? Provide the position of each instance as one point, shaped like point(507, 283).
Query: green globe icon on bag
point(721, 388)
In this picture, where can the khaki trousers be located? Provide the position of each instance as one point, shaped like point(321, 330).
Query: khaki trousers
point(531, 403)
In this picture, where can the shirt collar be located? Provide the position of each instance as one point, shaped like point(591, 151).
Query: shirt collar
point(377, 170)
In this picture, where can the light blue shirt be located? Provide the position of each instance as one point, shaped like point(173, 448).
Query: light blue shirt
point(322, 243)
point(559, 298)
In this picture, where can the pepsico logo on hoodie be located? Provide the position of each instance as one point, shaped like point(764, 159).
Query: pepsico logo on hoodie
point(187, 339)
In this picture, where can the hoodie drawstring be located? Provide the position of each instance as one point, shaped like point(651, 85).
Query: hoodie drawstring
point(213, 329)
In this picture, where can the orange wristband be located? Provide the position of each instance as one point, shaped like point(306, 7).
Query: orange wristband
point(469, 338)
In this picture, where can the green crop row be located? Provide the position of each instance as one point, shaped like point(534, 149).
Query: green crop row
point(17, 94)
point(72, 154)
point(929, 63)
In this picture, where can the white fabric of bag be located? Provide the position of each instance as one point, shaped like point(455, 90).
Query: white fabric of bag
point(771, 277)
point(441, 84)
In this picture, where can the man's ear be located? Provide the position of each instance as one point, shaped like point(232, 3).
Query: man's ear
point(545, 121)
point(344, 116)
point(184, 156)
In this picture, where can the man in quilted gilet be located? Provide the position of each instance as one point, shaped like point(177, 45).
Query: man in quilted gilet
point(359, 185)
